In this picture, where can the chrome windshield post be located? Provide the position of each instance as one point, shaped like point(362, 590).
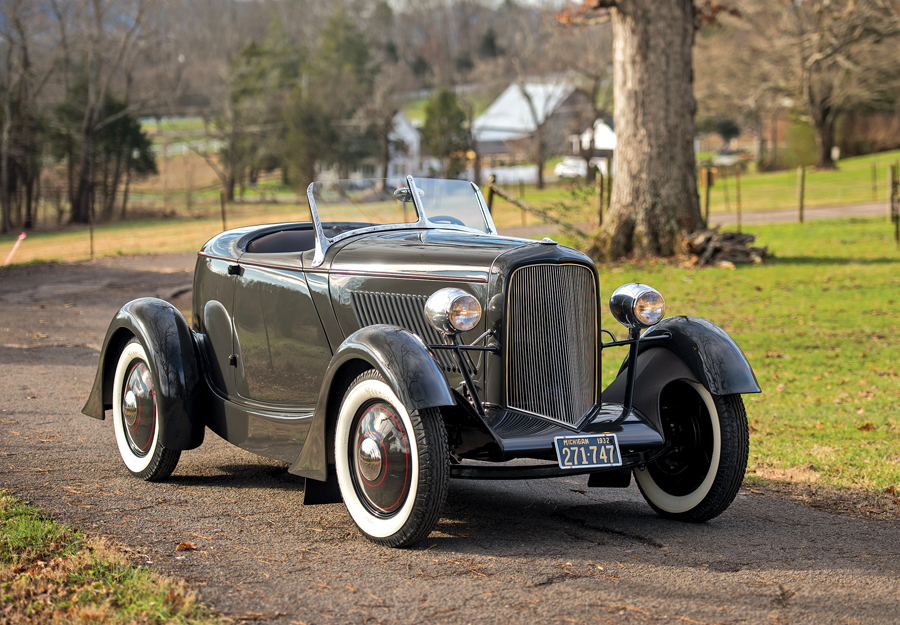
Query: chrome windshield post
point(488, 219)
point(321, 240)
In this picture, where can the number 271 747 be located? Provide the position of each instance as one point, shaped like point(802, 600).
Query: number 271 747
point(588, 451)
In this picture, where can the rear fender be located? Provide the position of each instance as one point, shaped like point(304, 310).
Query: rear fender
point(178, 380)
point(404, 362)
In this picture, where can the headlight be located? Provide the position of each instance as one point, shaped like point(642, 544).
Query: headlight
point(637, 305)
point(452, 311)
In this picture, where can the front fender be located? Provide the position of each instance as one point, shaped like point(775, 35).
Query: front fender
point(178, 380)
point(404, 362)
point(709, 352)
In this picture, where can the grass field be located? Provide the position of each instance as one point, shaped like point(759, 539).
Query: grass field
point(54, 574)
point(819, 324)
point(852, 183)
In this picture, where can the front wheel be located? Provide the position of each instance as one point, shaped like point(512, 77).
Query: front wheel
point(700, 477)
point(392, 467)
point(136, 418)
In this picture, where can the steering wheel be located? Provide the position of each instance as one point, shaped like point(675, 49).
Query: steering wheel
point(446, 219)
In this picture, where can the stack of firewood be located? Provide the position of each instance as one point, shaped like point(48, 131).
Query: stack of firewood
point(723, 249)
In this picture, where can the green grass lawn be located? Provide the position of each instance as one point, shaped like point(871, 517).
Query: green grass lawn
point(50, 573)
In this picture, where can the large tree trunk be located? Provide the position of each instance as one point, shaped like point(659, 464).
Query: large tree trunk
point(112, 188)
point(81, 203)
point(127, 186)
point(29, 199)
point(539, 155)
point(384, 135)
point(5, 207)
point(823, 128)
point(654, 198)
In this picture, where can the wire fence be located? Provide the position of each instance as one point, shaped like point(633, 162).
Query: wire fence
point(183, 218)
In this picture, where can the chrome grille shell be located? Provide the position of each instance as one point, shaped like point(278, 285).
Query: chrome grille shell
point(551, 342)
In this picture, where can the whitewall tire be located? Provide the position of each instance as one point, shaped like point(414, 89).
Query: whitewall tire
point(700, 477)
point(136, 417)
point(392, 466)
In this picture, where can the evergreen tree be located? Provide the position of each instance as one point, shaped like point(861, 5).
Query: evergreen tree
point(444, 134)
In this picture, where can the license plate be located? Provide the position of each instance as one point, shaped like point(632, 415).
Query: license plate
point(578, 452)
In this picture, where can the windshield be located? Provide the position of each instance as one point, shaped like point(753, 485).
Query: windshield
point(359, 204)
point(341, 206)
point(451, 202)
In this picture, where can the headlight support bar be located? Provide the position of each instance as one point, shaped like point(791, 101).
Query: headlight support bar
point(464, 368)
point(633, 341)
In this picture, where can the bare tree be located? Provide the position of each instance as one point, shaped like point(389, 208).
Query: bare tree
point(387, 99)
point(106, 46)
point(21, 82)
point(841, 56)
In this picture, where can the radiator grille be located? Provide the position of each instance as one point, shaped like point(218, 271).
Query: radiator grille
point(551, 342)
point(406, 311)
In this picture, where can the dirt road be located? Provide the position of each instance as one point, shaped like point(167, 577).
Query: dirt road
point(549, 551)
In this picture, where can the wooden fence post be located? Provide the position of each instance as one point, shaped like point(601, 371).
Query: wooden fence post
point(894, 194)
point(737, 190)
point(91, 216)
point(801, 187)
point(222, 206)
point(890, 202)
point(874, 182)
point(725, 188)
point(598, 182)
point(707, 181)
point(490, 197)
point(609, 182)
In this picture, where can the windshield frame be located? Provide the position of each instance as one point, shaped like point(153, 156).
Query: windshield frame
point(323, 242)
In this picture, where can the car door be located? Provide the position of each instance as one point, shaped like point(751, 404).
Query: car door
point(282, 351)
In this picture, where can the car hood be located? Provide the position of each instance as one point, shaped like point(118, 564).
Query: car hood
point(426, 253)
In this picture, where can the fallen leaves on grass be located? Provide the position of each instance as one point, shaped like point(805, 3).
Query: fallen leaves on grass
point(866, 427)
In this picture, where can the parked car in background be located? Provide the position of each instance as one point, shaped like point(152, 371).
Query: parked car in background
point(397, 341)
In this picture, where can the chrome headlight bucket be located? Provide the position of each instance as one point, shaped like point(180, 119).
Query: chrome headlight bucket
point(452, 311)
point(637, 305)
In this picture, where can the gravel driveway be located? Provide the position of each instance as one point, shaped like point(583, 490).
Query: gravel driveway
point(550, 551)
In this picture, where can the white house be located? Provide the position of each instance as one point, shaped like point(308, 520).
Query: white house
point(509, 122)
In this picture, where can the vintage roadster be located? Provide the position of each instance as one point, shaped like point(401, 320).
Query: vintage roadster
point(396, 341)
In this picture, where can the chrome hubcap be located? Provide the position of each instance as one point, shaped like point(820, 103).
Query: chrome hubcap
point(139, 408)
point(130, 408)
point(381, 458)
point(369, 458)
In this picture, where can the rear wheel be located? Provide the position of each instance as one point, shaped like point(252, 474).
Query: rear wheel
point(700, 477)
point(392, 466)
point(136, 418)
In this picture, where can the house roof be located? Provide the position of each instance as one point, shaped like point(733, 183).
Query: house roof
point(509, 116)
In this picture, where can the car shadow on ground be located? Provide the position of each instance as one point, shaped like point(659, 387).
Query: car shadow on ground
point(250, 476)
